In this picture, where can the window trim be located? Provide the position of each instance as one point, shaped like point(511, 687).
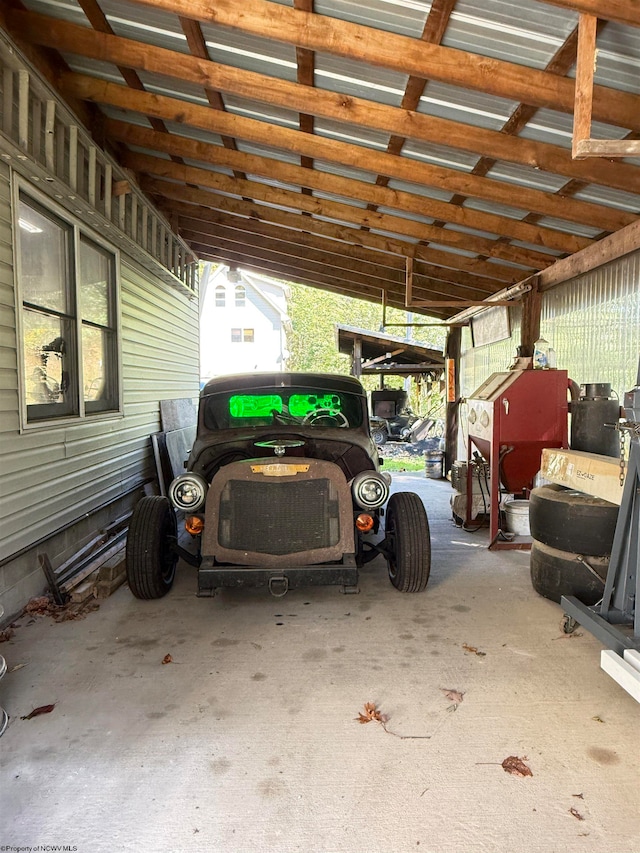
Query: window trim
point(77, 229)
point(220, 291)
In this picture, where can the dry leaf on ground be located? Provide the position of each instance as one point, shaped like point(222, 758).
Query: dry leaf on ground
point(516, 766)
point(453, 695)
point(16, 667)
point(371, 712)
point(473, 650)
point(43, 709)
point(578, 796)
point(167, 659)
point(576, 814)
point(6, 635)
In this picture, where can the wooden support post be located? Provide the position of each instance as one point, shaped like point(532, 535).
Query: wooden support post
point(585, 67)
point(531, 310)
point(408, 299)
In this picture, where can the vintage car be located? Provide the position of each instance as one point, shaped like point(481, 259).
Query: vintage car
point(282, 488)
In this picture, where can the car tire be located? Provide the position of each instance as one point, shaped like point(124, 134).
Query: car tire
point(570, 520)
point(379, 436)
point(409, 555)
point(556, 573)
point(151, 563)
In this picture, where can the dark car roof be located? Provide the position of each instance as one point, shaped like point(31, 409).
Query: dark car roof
point(327, 381)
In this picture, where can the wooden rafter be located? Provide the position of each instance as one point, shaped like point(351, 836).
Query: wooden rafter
point(144, 164)
point(437, 264)
point(583, 146)
point(404, 123)
point(341, 152)
point(376, 194)
point(405, 55)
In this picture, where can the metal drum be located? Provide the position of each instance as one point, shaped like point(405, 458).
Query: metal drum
point(595, 408)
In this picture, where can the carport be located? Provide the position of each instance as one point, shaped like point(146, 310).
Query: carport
point(468, 162)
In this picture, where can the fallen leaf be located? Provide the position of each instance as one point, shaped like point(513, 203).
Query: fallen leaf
point(597, 719)
point(167, 659)
point(453, 695)
point(473, 650)
point(41, 604)
point(6, 635)
point(576, 814)
point(16, 667)
point(578, 796)
point(43, 709)
point(516, 766)
point(371, 712)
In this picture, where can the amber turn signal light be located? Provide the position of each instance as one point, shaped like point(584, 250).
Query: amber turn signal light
point(364, 522)
point(194, 525)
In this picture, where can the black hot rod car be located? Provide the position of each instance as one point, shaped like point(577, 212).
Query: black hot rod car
point(282, 488)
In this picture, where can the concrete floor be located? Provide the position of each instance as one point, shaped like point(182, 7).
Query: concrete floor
point(248, 742)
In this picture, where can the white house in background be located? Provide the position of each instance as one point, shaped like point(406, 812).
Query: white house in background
point(243, 323)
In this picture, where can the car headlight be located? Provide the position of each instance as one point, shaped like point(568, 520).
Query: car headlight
point(369, 490)
point(188, 492)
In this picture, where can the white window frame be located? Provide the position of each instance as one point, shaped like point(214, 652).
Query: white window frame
point(78, 229)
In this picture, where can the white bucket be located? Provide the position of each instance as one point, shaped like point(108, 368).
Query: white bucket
point(517, 517)
point(433, 464)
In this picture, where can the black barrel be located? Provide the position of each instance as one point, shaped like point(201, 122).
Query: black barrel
point(589, 414)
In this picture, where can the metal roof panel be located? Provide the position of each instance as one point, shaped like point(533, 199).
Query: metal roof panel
point(406, 17)
point(465, 105)
point(525, 32)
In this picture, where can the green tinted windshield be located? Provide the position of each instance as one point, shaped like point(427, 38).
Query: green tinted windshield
point(290, 406)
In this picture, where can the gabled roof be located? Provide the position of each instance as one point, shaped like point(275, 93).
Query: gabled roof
point(328, 142)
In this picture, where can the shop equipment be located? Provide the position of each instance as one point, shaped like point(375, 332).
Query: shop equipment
point(604, 620)
point(512, 416)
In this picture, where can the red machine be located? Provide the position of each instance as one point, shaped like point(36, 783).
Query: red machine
point(512, 416)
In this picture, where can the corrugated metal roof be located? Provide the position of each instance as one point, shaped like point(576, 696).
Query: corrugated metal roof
point(337, 74)
point(511, 32)
point(526, 33)
point(465, 105)
point(406, 17)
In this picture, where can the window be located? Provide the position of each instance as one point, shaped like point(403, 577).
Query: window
point(221, 296)
point(241, 296)
point(69, 325)
point(242, 335)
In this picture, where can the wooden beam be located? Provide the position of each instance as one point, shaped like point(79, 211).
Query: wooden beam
point(603, 252)
point(585, 67)
point(330, 264)
point(408, 282)
point(196, 232)
point(347, 187)
point(187, 214)
point(621, 11)
point(458, 303)
point(404, 54)
point(173, 109)
point(208, 203)
point(404, 122)
point(583, 146)
point(304, 275)
point(144, 164)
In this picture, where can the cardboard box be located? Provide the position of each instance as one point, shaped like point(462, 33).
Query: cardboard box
point(587, 472)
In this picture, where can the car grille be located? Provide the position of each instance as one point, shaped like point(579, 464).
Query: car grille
point(267, 517)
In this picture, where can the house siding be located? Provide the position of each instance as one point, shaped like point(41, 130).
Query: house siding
point(58, 474)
